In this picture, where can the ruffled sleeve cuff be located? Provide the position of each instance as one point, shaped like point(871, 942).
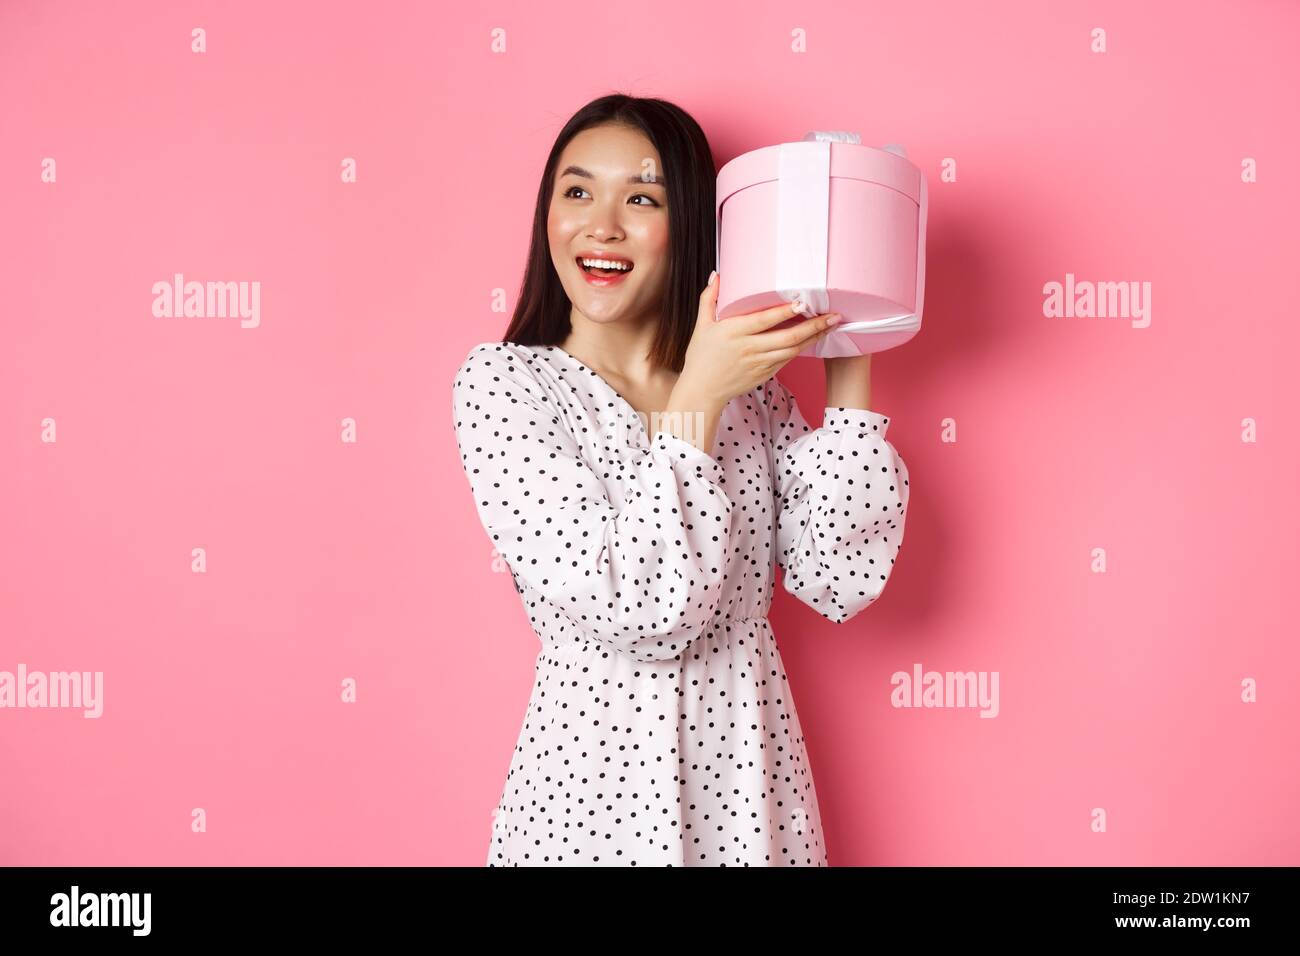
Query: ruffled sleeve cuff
point(861, 420)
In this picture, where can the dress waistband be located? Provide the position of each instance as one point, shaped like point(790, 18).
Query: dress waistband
point(722, 622)
point(720, 628)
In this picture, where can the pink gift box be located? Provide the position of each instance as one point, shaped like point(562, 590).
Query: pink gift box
point(832, 223)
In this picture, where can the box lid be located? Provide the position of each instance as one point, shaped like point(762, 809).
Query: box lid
point(848, 160)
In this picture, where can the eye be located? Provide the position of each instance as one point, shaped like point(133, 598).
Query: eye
point(568, 194)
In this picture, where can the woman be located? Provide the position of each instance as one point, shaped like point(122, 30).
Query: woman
point(639, 468)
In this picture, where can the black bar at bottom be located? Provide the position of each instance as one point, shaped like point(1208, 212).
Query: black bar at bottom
point(373, 904)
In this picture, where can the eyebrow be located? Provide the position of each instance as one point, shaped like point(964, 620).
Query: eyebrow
point(579, 171)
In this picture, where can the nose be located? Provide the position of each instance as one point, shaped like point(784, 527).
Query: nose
point(604, 223)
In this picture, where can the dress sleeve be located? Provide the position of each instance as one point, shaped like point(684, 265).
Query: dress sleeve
point(642, 572)
point(840, 496)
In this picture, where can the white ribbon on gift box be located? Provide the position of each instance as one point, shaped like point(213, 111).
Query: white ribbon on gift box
point(803, 204)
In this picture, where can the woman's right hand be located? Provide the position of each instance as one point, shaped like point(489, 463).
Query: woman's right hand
point(730, 357)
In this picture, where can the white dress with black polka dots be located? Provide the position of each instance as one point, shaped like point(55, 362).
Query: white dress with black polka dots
point(660, 730)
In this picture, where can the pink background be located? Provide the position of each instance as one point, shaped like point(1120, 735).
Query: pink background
point(329, 560)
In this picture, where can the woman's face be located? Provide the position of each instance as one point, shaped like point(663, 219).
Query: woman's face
point(610, 202)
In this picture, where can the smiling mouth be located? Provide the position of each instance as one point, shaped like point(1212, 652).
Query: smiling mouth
point(603, 273)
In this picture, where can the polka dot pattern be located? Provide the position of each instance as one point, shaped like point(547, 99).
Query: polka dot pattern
point(661, 729)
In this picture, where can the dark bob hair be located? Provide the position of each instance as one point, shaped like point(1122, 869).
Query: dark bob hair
point(541, 315)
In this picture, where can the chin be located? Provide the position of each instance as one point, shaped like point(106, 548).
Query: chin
point(597, 316)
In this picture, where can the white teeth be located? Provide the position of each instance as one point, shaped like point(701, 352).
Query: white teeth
point(605, 264)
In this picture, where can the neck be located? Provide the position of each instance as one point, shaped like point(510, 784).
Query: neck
point(618, 349)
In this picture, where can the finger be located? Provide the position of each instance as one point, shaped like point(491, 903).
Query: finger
point(764, 319)
point(783, 355)
point(709, 299)
point(795, 335)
